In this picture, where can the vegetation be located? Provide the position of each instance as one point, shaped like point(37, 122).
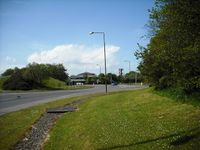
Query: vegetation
point(14, 127)
point(9, 72)
point(130, 77)
point(53, 83)
point(2, 80)
point(130, 120)
point(172, 58)
point(33, 76)
point(178, 95)
point(136, 119)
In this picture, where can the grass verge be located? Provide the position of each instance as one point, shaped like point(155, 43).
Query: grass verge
point(14, 125)
point(128, 120)
point(179, 96)
point(138, 119)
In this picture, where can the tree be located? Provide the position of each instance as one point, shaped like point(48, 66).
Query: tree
point(101, 78)
point(172, 57)
point(35, 73)
point(32, 76)
point(8, 72)
point(57, 71)
point(16, 82)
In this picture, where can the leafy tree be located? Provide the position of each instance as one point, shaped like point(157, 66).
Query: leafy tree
point(172, 57)
point(33, 74)
point(111, 78)
point(16, 82)
point(8, 72)
point(101, 78)
point(57, 71)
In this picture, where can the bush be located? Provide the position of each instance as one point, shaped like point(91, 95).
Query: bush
point(16, 82)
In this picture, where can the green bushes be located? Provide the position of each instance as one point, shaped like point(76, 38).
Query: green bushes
point(32, 76)
point(2, 80)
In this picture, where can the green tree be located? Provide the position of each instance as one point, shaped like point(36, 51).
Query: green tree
point(172, 57)
point(101, 78)
point(16, 82)
point(8, 72)
point(32, 76)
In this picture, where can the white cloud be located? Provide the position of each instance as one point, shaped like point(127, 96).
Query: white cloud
point(78, 58)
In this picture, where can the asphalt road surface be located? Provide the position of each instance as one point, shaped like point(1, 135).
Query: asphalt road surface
point(13, 101)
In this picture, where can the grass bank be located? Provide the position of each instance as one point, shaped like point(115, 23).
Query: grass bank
point(138, 119)
point(180, 96)
point(129, 120)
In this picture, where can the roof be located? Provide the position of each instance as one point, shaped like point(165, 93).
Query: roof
point(83, 75)
point(86, 73)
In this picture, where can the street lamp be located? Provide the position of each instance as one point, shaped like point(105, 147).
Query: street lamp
point(99, 68)
point(104, 46)
point(129, 62)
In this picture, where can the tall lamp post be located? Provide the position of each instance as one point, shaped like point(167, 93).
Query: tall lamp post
point(99, 68)
point(104, 46)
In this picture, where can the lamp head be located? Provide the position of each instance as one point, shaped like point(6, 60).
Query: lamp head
point(91, 33)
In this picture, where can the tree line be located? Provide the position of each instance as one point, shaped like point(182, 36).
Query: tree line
point(172, 58)
point(130, 77)
point(31, 76)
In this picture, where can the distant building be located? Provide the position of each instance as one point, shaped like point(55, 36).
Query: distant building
point(81, 78)
point(86, 75)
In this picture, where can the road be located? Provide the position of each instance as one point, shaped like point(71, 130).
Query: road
point(13, 101)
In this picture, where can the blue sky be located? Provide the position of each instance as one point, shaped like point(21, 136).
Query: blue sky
point(57, 31)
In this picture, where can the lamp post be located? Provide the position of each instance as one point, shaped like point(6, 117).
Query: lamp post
point(99, 68)
point(104, 46)
point(129, 62)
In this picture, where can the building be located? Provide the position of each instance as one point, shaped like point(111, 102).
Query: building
point(80, 79)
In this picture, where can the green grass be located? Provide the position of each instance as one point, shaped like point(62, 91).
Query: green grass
point(53, 83)
point(14, 125)
point(138, 119)
point(179, 95)
point(128, 120)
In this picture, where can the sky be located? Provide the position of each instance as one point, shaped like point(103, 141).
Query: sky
point(57, 31)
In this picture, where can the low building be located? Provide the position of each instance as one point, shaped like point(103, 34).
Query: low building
point(81, 78)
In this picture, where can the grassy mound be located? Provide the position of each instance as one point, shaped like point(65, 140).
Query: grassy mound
point(54, 83)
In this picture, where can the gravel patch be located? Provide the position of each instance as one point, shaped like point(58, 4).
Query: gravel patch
point(39, 131)
point(34, 139)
